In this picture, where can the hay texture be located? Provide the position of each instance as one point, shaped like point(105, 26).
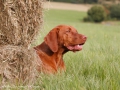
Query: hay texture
point(20, 21)
point(18, 65)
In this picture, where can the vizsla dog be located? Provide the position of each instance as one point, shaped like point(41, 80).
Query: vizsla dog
point(58, 41)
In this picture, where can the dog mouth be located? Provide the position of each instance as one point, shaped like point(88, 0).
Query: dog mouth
point(74, 48)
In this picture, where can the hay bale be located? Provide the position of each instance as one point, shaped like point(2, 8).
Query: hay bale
point(18, 65)
point(20, 21)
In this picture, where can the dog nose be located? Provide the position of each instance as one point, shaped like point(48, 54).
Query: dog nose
point(84, 37)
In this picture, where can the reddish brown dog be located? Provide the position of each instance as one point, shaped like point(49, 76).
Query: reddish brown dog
point(58, 41)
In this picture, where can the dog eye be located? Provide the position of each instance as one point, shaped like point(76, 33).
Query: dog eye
point(68, 31)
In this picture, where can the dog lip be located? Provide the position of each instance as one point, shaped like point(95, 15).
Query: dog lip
point(77, 44)
point(75, 47)
point(82, 44)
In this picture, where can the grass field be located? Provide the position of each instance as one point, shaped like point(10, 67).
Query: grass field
point(97, 66)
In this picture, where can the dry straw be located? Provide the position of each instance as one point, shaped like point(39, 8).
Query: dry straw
point(18, 64)
point(20, 23)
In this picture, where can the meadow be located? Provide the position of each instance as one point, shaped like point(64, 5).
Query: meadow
point(96, 67)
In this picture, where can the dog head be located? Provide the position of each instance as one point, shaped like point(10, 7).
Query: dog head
point(66, 37)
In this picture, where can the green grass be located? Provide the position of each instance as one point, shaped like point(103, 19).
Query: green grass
point(63, 16)
point(97, 66)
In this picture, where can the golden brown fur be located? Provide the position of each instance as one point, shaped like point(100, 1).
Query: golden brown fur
point(58, 41)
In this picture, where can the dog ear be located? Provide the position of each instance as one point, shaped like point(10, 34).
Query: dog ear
point(52, 40)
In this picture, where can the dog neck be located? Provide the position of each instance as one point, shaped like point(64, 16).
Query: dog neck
point(45, 48)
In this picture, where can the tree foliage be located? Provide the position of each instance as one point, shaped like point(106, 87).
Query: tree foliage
point(115, 11)
point(77, 1)
point(96, 14)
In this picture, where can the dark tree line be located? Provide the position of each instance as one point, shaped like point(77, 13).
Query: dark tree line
point(87, 1)
point(77, 1)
